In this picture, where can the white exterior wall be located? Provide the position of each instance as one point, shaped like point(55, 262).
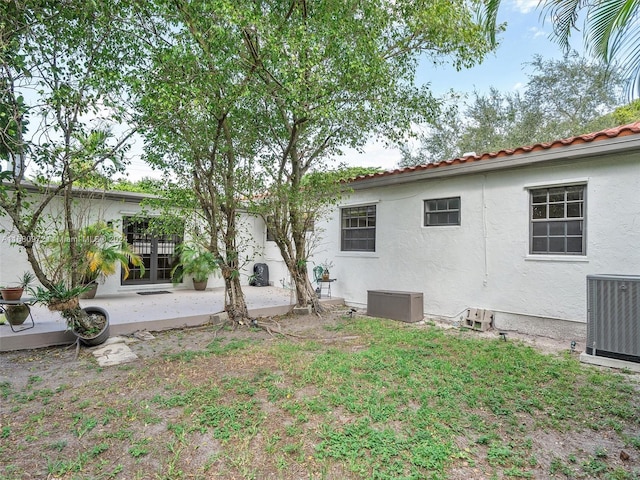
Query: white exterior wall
point(258, 250)
point(252, 240)
point(263, 251)
point(13, 259)
point(485, 262)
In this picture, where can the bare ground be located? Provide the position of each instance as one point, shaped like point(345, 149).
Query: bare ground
point(57, 370)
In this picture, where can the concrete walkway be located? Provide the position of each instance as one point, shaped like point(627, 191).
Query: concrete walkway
point(130, 312)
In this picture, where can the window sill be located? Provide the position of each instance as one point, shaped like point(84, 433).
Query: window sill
point(557, 258)
point(439, 227)
point(358, 254)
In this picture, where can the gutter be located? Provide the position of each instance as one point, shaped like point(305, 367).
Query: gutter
point(471, 164)
point(134, 197)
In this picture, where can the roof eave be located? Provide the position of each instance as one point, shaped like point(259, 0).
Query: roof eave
point(575, 152)
point(134, 197)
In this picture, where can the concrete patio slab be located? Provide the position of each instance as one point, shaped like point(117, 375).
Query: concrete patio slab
point(130, 312)
point(609, 362)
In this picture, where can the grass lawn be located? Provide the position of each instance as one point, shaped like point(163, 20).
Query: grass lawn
point(348, 398)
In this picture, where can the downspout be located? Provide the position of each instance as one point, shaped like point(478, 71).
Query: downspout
point(485, 281)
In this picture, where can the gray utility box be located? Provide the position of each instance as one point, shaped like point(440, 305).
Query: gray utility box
point(404, 306)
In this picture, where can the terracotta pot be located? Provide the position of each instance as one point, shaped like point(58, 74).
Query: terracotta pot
point(12, 293)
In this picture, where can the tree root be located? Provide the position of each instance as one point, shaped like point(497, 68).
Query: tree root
point(222, 325)
point(267, 324)
point(271, 326)
point(77, 345)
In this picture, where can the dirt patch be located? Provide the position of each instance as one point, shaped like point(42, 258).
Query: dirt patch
point(139, 423)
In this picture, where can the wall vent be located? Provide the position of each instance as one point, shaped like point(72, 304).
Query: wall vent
point(613, 316)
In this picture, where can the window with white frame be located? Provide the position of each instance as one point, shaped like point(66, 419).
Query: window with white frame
point(557, 216)
point(358, 229)
point(442, 211)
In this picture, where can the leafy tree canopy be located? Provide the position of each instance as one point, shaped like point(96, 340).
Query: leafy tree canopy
point(562, 98)
point(611, 32)
point(627, 113)
point(342, 174)
point(252, 97)
point(61, 67)
point(145, 185)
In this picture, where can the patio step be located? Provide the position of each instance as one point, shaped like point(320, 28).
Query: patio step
point(130, 312)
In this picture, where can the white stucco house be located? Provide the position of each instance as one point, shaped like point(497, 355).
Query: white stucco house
point(114, 207)
point(124, 211)
point(515, 232)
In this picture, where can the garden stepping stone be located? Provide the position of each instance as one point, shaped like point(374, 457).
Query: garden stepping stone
point(114, 353)
point(143, 335)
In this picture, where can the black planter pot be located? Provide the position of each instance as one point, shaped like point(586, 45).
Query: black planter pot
point(101, 336)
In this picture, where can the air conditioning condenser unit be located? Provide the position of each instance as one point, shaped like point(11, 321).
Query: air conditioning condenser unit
point(613, 316)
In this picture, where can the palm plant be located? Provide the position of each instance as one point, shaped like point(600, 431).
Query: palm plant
point(196, 261)
point(611, 31)
point(97, 250)
point(104, 251)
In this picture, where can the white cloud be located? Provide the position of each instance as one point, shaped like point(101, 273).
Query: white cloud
point(375, 154)
point(535, 32)
point(525, 6)
point(519, 87)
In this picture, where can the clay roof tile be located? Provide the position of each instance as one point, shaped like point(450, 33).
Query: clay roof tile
point(620, 131)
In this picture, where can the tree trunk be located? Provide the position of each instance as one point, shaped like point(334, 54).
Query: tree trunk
point(235, 304)
point(78, 320)
point(305, 293)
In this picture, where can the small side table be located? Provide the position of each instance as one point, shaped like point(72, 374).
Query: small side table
point(325, 286)
point(27, 302)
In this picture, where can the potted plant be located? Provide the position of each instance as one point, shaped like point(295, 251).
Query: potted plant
point(196, 261)
point(326, 266)
point(103, 249)
point(90, 325)
point(15, 292)
point(99, 248)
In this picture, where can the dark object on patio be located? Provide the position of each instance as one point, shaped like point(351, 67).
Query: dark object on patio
point(153, 292)
point(260, 275)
